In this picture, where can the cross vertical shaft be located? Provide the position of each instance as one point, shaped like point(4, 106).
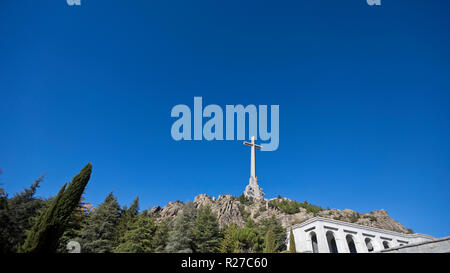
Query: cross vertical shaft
point(253, 159)
point(252, 156)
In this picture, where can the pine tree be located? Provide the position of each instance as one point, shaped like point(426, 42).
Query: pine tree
point(229, 243)
point(15, 214)
point(250, 239)
point(139, 238)
point(97, 235)
point(247, 239)
point(206, 231)
point(279, 232)
point(127, 216)
point(270, 244)
point(46, 232)
point(181, 239)
point(161, 237)
point(3, 197)
point(292, 248)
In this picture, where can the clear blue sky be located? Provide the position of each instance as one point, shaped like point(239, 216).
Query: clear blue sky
point(364, 97)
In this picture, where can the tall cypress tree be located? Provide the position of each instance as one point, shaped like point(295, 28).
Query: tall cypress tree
point(74, 227)
point(45, 233)
point(269, 241)
point(292, 248)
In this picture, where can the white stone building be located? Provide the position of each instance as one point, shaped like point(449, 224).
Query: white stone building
point(323, 235)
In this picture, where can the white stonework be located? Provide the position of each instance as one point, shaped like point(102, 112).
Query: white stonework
point(323, 235)
point(441, 245)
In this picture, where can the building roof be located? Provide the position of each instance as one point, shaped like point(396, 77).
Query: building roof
point(441, 244)
point(353, 225)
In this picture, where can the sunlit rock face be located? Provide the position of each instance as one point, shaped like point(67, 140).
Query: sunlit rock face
point(253, 190)
point(230, 210)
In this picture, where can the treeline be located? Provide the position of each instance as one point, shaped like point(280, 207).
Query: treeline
point(292, 206)
point(16, 215)
point(31, 224)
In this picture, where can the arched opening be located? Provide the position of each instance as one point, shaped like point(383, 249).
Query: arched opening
point(369, 244)
point(385, 244)
point(331, 242)
point(351, 244)
point(315, 248)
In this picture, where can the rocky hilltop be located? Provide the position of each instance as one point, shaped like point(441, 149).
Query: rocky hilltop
point(231, 209)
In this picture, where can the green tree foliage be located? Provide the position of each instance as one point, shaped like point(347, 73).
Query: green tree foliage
point(46, 232)
point(97, 235)
point(72, 229)
point(206, 231)
point(250, 239)
point(15, 215)
point(181, 237)
point(247, 239)
point(279, 232)
point(292, 248)
point(354, 217)
point(3, 196)
point(161, 237)
point(74, 226)
point(140, 236)
point(134, 208)
point(267, 235)
point(244, 200)
point(270, 245)
point(127, 216)
point(246, 215)
point(292, 207)
point(3, 199)
point(230, 242)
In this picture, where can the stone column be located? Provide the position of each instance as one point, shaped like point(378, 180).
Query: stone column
point(360, 244)
point(341, 241)
point(322, 243)
point(308, 243)
point(377, 243)
point(300, 244)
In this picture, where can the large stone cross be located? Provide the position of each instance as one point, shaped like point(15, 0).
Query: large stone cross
point(253, 190)
point(253, 159)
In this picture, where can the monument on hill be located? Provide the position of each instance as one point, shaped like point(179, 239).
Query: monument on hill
point(253, 190)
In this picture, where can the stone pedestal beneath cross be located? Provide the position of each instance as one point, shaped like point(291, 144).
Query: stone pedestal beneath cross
point(253, 190)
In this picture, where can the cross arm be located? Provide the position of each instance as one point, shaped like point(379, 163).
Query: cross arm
point(250, 145)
